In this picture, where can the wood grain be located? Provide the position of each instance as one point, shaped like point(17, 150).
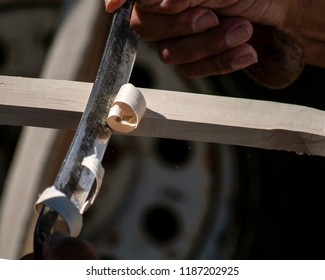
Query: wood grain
point(178, 115)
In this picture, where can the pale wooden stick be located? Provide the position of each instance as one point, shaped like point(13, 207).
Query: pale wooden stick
point(178, 115)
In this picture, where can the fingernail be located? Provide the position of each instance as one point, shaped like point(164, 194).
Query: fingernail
point(244, 61)
point(107, 5)
point(56, 238)
point(206, 21)
point(238, 35)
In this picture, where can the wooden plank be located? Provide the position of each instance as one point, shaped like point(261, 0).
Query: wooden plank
point(178, 115)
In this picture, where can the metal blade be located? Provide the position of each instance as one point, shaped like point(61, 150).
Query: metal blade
point(93, 134)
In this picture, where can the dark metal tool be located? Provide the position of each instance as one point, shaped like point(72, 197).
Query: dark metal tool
point(92, 136)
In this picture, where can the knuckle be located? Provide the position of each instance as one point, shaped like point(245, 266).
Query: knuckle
point(214, 44)
point(217, 65)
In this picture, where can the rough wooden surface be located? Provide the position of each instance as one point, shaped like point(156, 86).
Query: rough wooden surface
point(178, 115)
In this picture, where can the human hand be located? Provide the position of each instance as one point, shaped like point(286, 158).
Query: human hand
point(191, 37)
point(213, 37)
point(267, 12)
point(60, 246)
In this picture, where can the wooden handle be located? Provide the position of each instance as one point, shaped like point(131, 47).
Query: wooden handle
point(280, 58)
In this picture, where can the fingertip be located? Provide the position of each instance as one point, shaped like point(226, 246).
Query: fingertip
point(239, 35)
point(107, 5)
point(245, 56)
point(164, 54)
point(113, 5)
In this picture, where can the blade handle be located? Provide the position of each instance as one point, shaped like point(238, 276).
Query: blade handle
point(281, 59)
point(69, 175)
